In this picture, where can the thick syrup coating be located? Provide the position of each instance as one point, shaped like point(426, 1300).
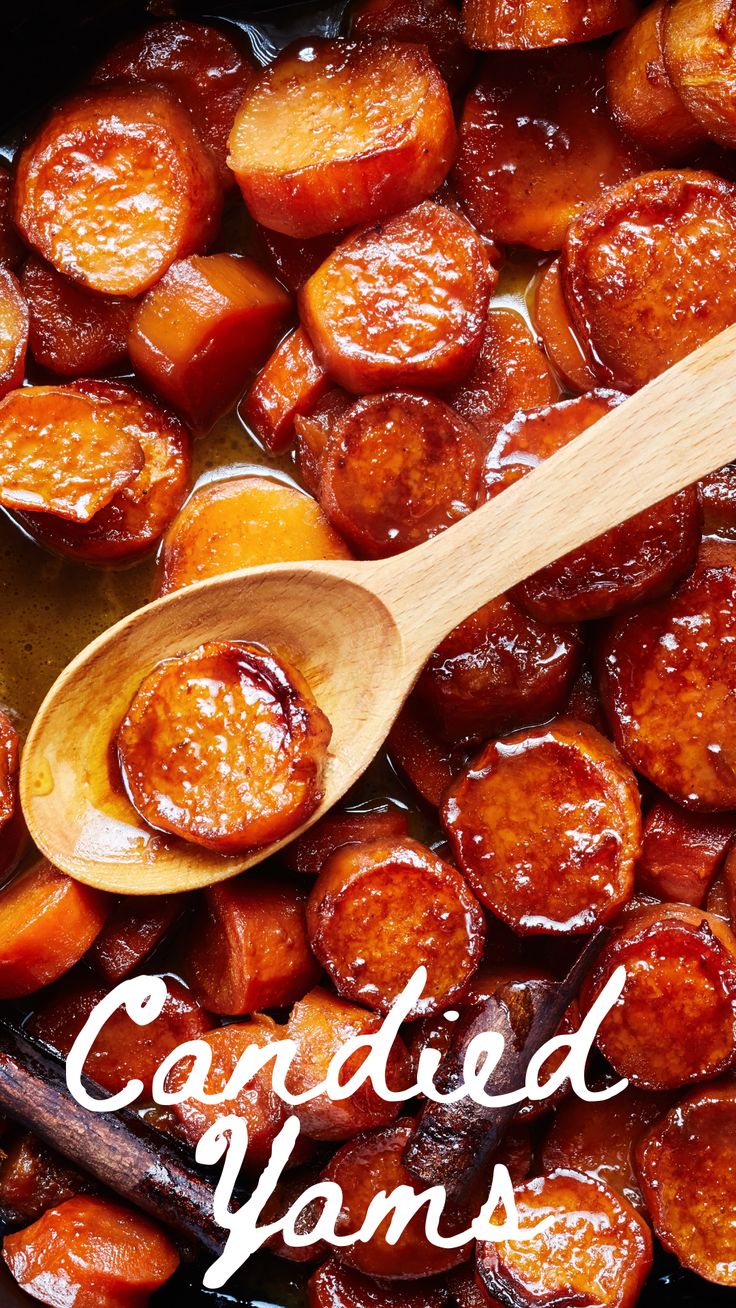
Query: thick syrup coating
point(73, 331)
point(511, 373)
point(535, 24)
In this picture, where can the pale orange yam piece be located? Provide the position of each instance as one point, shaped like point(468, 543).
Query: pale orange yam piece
point(401, 303)
point(73, 331)
point(537, 142)
point(14, 326)
point(47, 922)
point(290, 383)
point(552, 320)
point(533, 24)
point(199, 334)
point(641, 95)
point(699, 53)
point(63, 452)
point(510, 374)
point(144, 189)
point(338, 133)
point(244, 522)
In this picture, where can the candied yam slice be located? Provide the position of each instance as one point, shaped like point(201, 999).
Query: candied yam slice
point(597, 1249)
point(9, 761)
point(717, 494)
point(681, 852)
point(534, 24)
point(136, 926)
point(290, 383)
point(402, 303)
point(537, 142)
point(510, 374)
point(338, 133)
point(134, 520)
point(200, 64)
point(675, 1020)
point(687, 1169)
point(427, 762)
point(646, 272)
point(47, 922)
point(293, 259)
point(11, 250)
point(641, 94)
point(699, 48)
point(143, 192)
point(313, 430)
point(379, 911)
point(13, 332)
point(246, 947)
point(667, 678)
point(541, 864)
point(308, 852)
point(334, 1286)
point(639, 560)
point(73, 331)
point(497, 671)
point(198, 335)
point(243, 522)
point(434, 23)
point(224, 747)
point(399, 469)
point(34, 1178)
point(555, 326)
point(92, 1253)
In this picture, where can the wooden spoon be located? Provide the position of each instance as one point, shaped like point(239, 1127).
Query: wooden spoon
point(360, 632)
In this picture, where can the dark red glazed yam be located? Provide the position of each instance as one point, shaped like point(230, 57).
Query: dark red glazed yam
point(699, 42)
point(639, 560)
point(644, 271)
point(63, 452)
point(427, 762)
point(537, 142)
point(534, 24)
point(337, 133)
point(499, 670)
point(145, 189)
point(9, 763)
point(335, 1286)
point(123, 1051)
point(11, 249)
point(320, 1025)
point(200, 333)
point(584, 702)
point(202, 66)
point(33, 1178)
point(135, 927)
point(73, 330)
point(293, 259)
point(641, 95)
point(401, 303)
point(246, 946)
point(365, 1166)
point(597, 1250)
point(13, 332)
point(552, 320)
point(675, 1020)
point(290, 383)
point(510, 373)
point(381, 910)
point(313, 431)
point(717, 494)
point(681, 852)
point(307, 853)
point(224, 747)
point(91, 1253)
point(399, 469)
point(667, 676)
point(47, 922)
point(137, 516)
point(289, 1191)
point(687, 1171)
point(434, 23)
point(468, 1290)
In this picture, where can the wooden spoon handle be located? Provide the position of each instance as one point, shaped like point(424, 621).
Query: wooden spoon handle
point(678, 428)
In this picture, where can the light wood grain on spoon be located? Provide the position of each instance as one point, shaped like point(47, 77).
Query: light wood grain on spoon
point(360, 632)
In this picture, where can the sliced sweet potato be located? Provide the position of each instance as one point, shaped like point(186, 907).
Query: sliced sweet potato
point(289, 1190)
point(13, 332)
point(224, 746)
point(63, 452)
point(687, 1166)
point(144, 189)
point(639, 560)
point(681, 852)
point(398, 469)
point(334, 1286)
point(597, 1250)
point(467, 1289)
point(73, 331)
point(699, 43)
point(337, 133)
point(313, 431)
point(200, 64)
point(320, 1024)
point(47, 922)
point(401, 303)
point(428, 763)
point(123, 1050)
point(135, 927)
point(244, 522)
point(11, 250)
point(246, 948)
point(434, 23)
point(34, 1178)
point(199, 334)
point(290, 383)
point(293, 259)
point(92, 1253)
point(667, 675)
point(537, 142)
point(381, 910)
point(644, 269)
point(675, 1021)
point(9, 763)
point(499, 670)
point(510, 374)
point(307, 853)
point(533, 24)
point(543, 863)
point(717, 494)
point(641, 95)
point(134, 520)
point(555, 326)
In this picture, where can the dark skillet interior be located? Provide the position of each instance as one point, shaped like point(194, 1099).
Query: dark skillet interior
point(44, 47)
